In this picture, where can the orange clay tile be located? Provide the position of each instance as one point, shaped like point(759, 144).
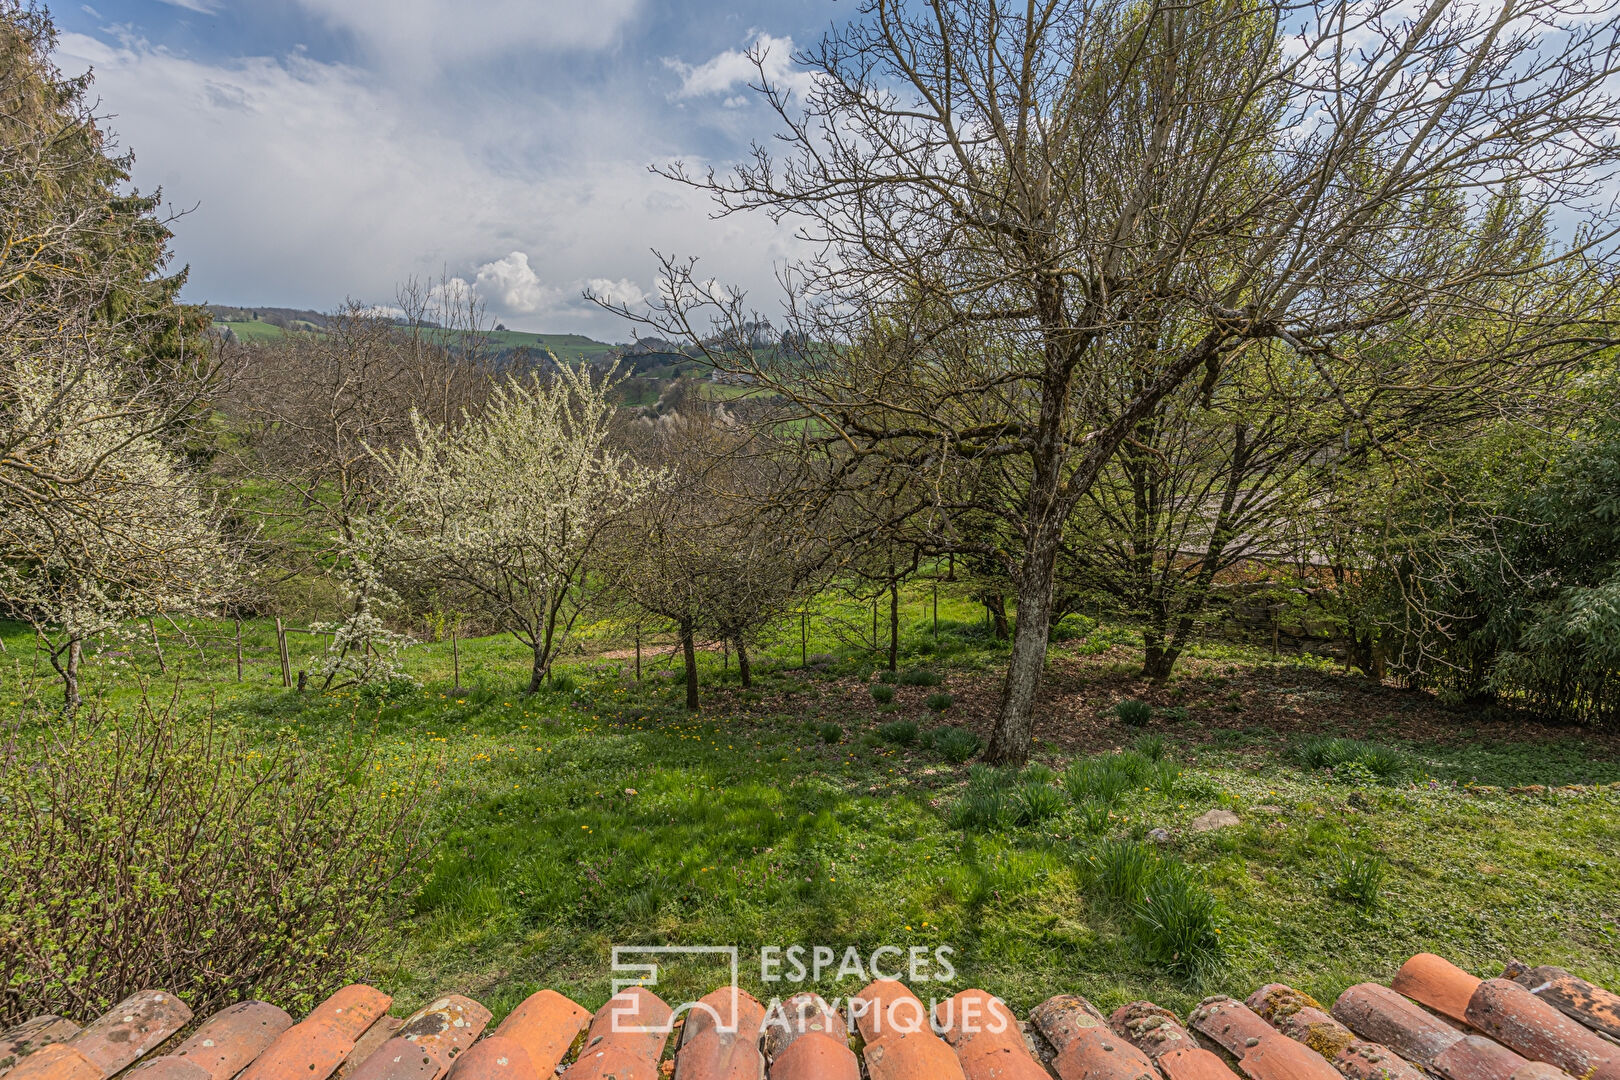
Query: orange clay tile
point(382, 1029)
point(800, 1015)
point(168, 1068)
point(1519, 1020)
point(1158, 1034)
point(1262, 1052)
point(58, 1061)
point(231, 1038)
point(1441, 985)
point(1380, 1015)
point(547, 1025)
point(721, 1039)
point(1087, 1048)
point(313, 1048)
point(899, 1042)
point(131, 1028)
point(496, 1058)
point(986, 1038)
point(814, 1055)
point(626, 1038)
point(20, 1041)
point(1302, 1019)
point(1597, 1008)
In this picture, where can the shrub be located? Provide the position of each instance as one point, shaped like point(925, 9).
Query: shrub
point(831, 733)
point(1176, 924)
point(899, 732)
point(271, 871)
point(1123, 869)
point(1037, 802)
point(940, 702)
point(955, 744)
point(919, 677)
point(1133, 713)
point(1152, 746)
point(882, 693)
point(1359, 880)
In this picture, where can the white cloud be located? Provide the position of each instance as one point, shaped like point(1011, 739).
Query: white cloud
point(201, 7)
point(318, 181)
point(450, 31)
point(620, 293)
point(738, 69)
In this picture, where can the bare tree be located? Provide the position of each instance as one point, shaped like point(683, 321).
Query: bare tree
point(1001, 192)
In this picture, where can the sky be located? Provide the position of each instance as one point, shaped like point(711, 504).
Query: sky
point(323, 150)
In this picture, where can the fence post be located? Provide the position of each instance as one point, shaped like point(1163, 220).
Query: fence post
point(239, 649)
point(455, 652)
point(281, 648)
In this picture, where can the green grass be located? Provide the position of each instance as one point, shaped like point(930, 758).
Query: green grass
point(568, 823)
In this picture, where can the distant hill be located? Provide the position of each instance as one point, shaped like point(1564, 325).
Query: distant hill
point(255, 324)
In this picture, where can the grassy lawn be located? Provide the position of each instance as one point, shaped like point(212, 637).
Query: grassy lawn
point(602, 814)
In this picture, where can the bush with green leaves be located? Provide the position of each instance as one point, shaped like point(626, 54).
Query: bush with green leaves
point(831, 733)
point(955, 744)
point(1176, 924)
point(1133, 713)
point(202, 860)
point(939, 702)
point(919, 677)
point(1359, 880)
point(899, 732)
point(882, 693)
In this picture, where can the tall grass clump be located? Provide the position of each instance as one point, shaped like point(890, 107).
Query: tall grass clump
point(919, 677)
point(1133, 713)
point(1176, 925)
point(955, 744)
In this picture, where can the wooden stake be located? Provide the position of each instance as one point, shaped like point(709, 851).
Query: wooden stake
point(455, 652)
point(281, 648)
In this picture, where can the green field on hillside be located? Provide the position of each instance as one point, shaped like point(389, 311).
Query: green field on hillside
point(807, 810)
point(568, 347)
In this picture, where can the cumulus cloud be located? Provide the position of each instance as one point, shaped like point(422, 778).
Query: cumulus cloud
point(453, 30)
point(737, 69)
point(511, 284)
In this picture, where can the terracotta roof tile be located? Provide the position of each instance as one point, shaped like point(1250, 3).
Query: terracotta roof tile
point(721, 1039)
point(815, 1056)
point(899, 1043)
point(1262, 1052)
point(25, 1038)
point(1437, 983)
point(1158, 1033)
point(131, 1028)
point(1087, 1048)
point(227, 1041)
point(58, 1061)
point(1302, 1019)
point(547, 1025)
point(1593, 1006)
point(169, 1068)
point(497, 1058)
point(1379, 1014)
point(626, 1038)
point(986, 1037)
point(1521, 1021)
point(313, 1048)
point(798, 1017)
point(382, 1029)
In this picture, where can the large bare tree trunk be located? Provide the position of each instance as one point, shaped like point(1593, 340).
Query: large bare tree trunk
point(744, 670)
point(537, 673)
point(1015, 726)
point(66, 662)
point(689, 649)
